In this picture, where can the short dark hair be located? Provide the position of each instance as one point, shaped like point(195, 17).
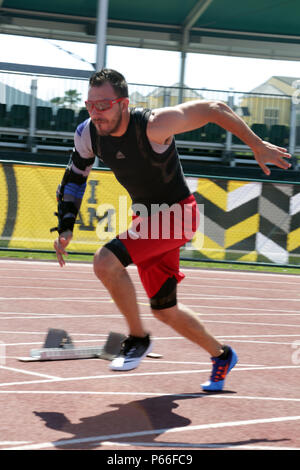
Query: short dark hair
point(113, 77)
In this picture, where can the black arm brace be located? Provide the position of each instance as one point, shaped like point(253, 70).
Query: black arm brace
point(67, 210)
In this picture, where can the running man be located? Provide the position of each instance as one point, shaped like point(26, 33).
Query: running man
point(139, 147)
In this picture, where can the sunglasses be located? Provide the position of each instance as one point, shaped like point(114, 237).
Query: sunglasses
point(101, 105)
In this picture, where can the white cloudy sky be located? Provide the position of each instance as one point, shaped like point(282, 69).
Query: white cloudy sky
point(149, 66)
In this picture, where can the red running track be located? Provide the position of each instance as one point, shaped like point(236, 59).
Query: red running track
point(81, 404)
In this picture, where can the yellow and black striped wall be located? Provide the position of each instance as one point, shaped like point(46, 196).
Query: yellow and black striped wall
point(242, 221)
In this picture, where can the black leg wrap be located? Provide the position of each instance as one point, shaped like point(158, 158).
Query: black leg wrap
point(166, 296)
point(120, 251)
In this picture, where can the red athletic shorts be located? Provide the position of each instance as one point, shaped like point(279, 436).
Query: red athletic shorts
point(154, 242)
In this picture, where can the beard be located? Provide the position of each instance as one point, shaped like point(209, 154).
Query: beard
point(107, 127)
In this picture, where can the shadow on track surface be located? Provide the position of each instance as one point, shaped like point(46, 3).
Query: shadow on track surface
point(139, 420)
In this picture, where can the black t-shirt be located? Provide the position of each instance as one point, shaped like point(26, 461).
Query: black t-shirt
point(149, 177)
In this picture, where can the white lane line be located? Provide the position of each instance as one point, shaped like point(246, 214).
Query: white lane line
point(22, 371)
point(99, 288)
point(189, 445)
point(199, 279)
point(152, 432)
point(216, 298)
point(32, 343)
point(53, 279)
point(29, 316)
point(149, 394)
point(138, 286)
point(8, 443)
point(85, 392)
point(146, 374)
point(235, 287)
point(150, 317)
point(195, 273)
point(252, 309)
point(160, 361)
point(259, 336)
point(250, 323)
point(108, 376)
point(48, 263)
point(68, 270)
point(100, 340)
point(18, 287)
point(228, 338)
point(237, 273)
point(260, 342)
point(88, 300)
point(99, 299)
point(284, 281)
point(43, 333)
point(59, 299)
point(86, 266)
point(185, 296)
point(32, 314)
point(282, 312)
point(39, 343)
point(236, 297)
point(45, 317)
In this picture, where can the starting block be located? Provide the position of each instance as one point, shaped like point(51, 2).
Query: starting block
point(59, 346)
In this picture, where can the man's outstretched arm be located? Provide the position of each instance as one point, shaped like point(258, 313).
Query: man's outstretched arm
point(165, 122)
point(71, 190)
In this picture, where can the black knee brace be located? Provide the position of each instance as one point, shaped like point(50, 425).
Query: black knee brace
point(166, 296)
point(120, 251)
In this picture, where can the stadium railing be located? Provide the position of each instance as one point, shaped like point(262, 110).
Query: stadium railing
point(39, 113)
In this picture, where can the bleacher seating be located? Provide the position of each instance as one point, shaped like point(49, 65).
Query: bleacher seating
point(19, 116)
point(279, 135)
point(208, 133)
point(236, 140)
point(65, 120)
point(213, 133)
point(261, 130)
point(298, 136)
point(82, 116)
point(54, 134)
point(3, 116)
point(190, 136)
point(44, 117)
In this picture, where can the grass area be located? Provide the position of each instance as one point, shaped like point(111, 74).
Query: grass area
point(42, 256)
point(241, 267)
point(197, 264)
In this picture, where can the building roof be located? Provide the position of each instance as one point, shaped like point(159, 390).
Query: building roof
point(272, 88)
point(267, 88)
point(173, 90)
point(137, 96)
point(287, 80)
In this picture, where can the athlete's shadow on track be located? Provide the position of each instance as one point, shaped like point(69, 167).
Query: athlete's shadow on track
point(137, 423)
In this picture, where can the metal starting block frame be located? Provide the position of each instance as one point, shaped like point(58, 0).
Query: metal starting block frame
point(59, 346)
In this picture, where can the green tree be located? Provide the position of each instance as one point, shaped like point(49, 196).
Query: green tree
point(57, 101)
point(70, 99)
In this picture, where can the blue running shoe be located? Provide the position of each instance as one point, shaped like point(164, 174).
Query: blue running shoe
point(221, 367)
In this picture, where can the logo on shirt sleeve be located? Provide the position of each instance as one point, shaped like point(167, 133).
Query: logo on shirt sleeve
point(81, 127)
